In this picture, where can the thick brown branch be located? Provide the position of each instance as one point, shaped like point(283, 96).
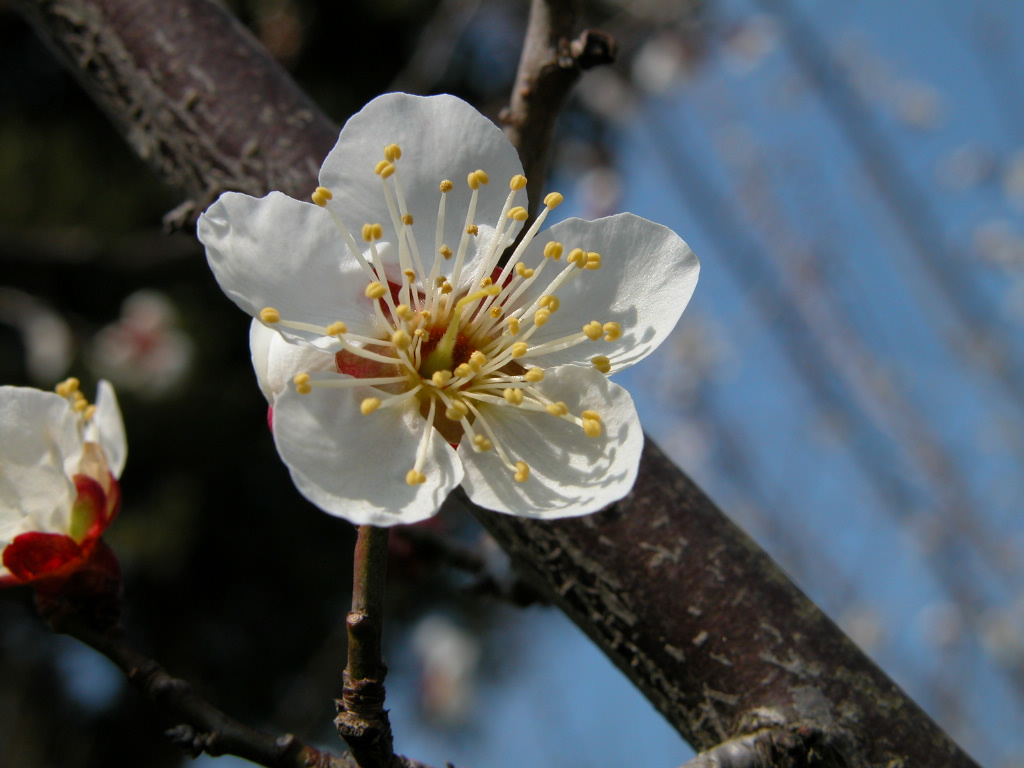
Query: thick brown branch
point(798, 747)
point(710, 629)
point(169, 95)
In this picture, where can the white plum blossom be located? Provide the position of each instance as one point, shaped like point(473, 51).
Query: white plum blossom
point(406, 347)
point(60, 458)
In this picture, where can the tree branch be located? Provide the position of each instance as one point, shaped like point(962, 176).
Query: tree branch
point(551, 63)
point(710, 629)
point(171, 100)
point(206, 729)
point(362, 720)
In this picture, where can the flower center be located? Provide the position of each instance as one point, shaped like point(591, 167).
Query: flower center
point(456, 348)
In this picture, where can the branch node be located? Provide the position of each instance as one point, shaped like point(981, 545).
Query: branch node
point(593, 48)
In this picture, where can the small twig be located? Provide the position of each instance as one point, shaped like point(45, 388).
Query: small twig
point(551, 63)
point(362, 720)
point(489, 578)
point(205, 728)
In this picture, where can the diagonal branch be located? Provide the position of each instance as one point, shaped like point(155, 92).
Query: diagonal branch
point(207, 729)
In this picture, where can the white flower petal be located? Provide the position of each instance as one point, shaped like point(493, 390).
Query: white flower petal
point(278, 252)
point(109, 426)
point(441, 137)
point(40, 449)
point(570, 474)
point(646, 278)
point(276, 361)
point(354, 466)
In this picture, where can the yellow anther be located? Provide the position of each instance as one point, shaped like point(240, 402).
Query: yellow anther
point(593, 261)
point(462, 370)
point(410, 274)
point(80, 403)
point(517, 182)
point(541, 316)
point(392, 152)
point(420, 333)
point(482, 177)
point(369, 405)
point(612, 331)
point(578, 257)
point(602, 363)
point(513, 395)
point(407, 219)
point(457, 410)
point(321, 195)
point(472, 229)
point(401, 339)
point(376, 290)
point(441, 378)
point(523, 271)
point(518, 213)
point(557, 409)
point(405, 312)
point(592, 427)
point(387, 170)
point(67, 387)
point(482, 443)
point(553, 199)
point(89, 412)
point(367, 232)
point(336, 329)
point(446, 251)
point(495, 311)
point(534, 375)
point(518, 349)
point(270, 315)
point(302, 385)
point(591, 415)
point(553, 250)
point(472, 180)
point(446, 186)
point(522, 472)
point(381, 166)
point(477, 360)
point(549, 302)
point(377, 231)
point(415, 477)
point(446, 288)
point(513, 325)
point(593, 330)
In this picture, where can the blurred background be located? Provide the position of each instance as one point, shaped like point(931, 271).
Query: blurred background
point(847, 383)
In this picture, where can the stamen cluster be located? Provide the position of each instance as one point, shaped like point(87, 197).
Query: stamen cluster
point(448, 344)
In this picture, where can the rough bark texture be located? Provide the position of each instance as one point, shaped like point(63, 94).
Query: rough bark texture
point(692, 610)
point(712, 631)
point(193, 93)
